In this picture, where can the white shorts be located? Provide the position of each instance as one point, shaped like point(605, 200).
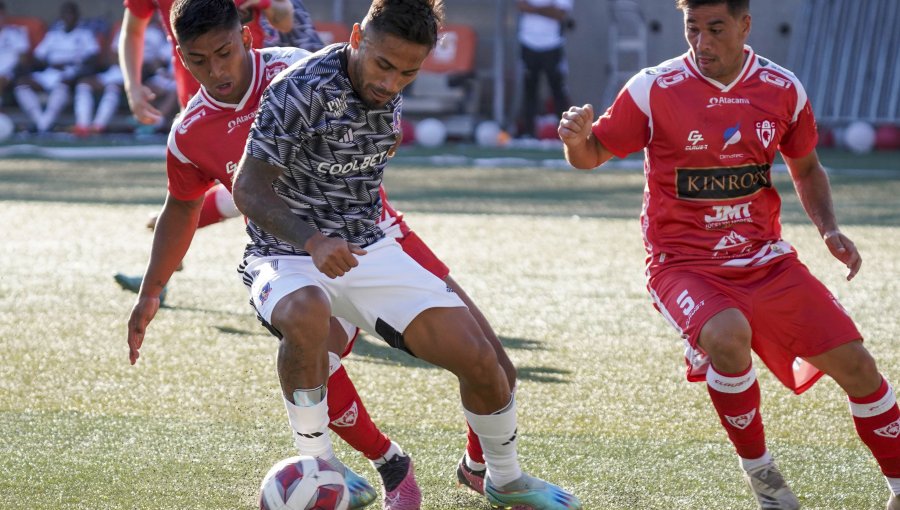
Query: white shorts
point(382, 295)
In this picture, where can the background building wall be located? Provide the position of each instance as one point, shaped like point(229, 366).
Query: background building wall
point(587, 45)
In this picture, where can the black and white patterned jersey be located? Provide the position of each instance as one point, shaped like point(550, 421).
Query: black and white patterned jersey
point(332, 149)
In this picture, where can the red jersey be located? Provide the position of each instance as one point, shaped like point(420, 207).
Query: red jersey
point(207, 141)
point(185, 82)
point(709, 148)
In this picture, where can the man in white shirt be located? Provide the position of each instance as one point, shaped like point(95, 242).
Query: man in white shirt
point(66, 53)
point(542, 43)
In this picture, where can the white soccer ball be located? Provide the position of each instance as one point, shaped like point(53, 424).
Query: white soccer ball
point(431, 132)
point(487, 134)
point(6, 127)
point(303, 483)
point(859, 137)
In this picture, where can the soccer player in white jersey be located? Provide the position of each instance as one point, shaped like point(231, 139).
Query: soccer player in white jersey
point(308, 182)
point(203, 148)
point(13, 45)
point(710, 122)
point(64, 55)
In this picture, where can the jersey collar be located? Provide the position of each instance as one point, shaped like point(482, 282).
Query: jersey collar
point(749, 64)
point(254, 79)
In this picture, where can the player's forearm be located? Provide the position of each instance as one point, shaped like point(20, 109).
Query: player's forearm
point(172, 237)
point(256, 199)
point(131, 51)
point(814, 191)
point(586, 155)
point(281, 15)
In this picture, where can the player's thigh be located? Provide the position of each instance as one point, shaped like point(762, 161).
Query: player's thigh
point(689, 299)
point(388, 289)
point(451, 338)
point(281, 286)
point(793, 308)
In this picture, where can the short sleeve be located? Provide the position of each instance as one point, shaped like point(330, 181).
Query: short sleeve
point(801, 136)
point(141, 8)
point(186, 181)
point(624, 128)
point(278, 126)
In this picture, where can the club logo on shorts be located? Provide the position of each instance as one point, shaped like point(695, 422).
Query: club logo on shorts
point(348, 419)
point(891, 431)
point(742, 421)
point(264, 293)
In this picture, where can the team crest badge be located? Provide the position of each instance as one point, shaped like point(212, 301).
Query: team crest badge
point(348, 419)
point(264, 293)
point(765, 131)
point(891, 431)
point(742, 421)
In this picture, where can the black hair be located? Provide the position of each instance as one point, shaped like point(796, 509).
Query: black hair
point(735, 7)
point(192, 18)
point(415, 21)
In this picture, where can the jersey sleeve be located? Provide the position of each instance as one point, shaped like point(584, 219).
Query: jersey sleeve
point(278, 125)
point(141, 8)
point(801, 136)
point(186, 181)
point(624, 128)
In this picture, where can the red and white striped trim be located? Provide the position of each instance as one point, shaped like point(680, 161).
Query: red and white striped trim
point(725, 384)
point(883, 405)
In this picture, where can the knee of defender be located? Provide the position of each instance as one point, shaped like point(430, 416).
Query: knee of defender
point(481, 368)
point(728, 349)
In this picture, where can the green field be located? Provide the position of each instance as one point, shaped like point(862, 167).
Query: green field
point(553, 257)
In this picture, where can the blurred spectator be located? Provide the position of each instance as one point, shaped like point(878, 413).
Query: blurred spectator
point(13, 45)
point(108, 84)
point(66, 53)
point(541, 37)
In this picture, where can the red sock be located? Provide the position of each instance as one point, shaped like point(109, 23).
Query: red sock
point(736, 399)
point(473, 446)
point(877, 420)
point(350, 420)
point(209, 213)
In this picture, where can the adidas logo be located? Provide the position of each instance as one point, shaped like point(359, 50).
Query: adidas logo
point(348, 137)
point(742, 421)
point(890, 431)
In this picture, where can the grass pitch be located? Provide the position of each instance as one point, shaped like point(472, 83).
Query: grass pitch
point(554, 259)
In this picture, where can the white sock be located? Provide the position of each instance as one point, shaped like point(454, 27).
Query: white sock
point(393, 450)
point(28, 102)
point(894, 484)
point(751, 464)
point(107, 107)
point(58, 99)
point(471, 464)
point(84, 105)
point(310, 426)
point(498, 440)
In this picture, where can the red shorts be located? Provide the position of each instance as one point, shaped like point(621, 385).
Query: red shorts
point(792, 314)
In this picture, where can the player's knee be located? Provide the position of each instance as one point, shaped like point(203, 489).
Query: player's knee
point(726, 339)
point(480, 365)
point(861, 367)
point(303, 317)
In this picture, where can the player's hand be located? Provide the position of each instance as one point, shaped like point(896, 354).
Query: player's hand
point(143, 312)
point(575, 124)
point(332, 255)
point(843, 249)
point(139, 102)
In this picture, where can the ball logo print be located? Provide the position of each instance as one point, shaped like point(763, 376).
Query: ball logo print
point(303, 483)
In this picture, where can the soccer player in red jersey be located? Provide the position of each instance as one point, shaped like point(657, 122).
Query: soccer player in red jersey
point(718, 270)
point(204, 147)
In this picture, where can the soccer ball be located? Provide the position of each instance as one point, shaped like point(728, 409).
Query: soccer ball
point(303, 483)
